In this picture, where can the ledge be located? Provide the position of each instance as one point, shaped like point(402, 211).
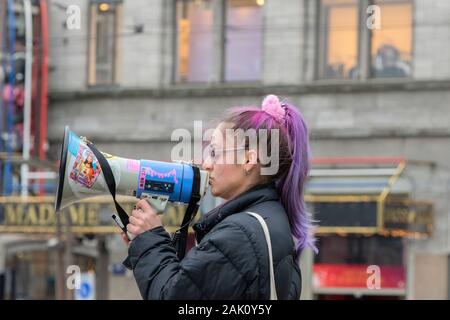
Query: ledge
point(378, 133)
point(253, 89)
point(315, 135)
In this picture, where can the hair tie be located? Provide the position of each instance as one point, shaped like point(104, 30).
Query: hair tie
point(272, 105)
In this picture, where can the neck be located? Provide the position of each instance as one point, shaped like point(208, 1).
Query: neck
point(243, 188)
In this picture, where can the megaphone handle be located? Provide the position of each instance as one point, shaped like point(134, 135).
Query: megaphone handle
point(129, 235)
point(156, 201)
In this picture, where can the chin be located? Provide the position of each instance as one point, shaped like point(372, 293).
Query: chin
point(215, 192)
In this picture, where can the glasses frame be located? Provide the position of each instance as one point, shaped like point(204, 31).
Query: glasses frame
point(221, 151)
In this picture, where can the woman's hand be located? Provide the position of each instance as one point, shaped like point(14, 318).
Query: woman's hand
point(125, 239)
point(143, 218)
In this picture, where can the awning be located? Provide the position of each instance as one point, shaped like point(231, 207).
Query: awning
point(357, 176)
point(365, 195)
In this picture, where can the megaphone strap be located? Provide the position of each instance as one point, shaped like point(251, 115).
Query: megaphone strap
point(179, 239)
point(111, 182)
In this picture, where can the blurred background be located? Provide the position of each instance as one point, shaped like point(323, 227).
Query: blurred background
point(371, 77)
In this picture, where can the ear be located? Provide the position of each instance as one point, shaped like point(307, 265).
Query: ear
point(251, 160)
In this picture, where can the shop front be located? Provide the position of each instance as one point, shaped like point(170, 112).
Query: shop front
point(366, 221)
point(36, 250)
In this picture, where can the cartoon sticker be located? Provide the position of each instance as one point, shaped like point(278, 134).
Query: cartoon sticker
point(85, 170)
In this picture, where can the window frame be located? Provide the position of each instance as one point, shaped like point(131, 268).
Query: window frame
point(92, 43)
point(175, 76)
point(364, 45)
point(218, 60)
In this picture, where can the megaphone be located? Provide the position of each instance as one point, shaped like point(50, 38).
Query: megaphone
point(86, 172)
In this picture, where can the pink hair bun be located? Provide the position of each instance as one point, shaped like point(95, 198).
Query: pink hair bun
point(272, 105)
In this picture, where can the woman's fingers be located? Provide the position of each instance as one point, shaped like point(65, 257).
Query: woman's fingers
point(133, 229)
point(145, 206)
point(125, 238)
point(137, 214)
point(143, 218)
point(135, 221)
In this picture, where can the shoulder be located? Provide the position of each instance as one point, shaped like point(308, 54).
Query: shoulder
point(239, 224)
point(237, 237)
point(244, 224)
point(277, 222)
point(232, 230)
point(231, 243)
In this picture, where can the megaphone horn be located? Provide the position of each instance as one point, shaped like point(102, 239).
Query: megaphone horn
point(86, 172)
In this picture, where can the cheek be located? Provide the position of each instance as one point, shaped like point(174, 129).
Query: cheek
point(218, 170)
point(220, 174)
point(225, 176)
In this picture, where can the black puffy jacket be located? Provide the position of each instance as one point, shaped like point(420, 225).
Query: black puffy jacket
point(231, 258)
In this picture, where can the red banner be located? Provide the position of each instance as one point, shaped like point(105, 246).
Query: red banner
point(358, 276)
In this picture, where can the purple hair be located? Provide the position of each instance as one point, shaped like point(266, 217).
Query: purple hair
point(294, 156)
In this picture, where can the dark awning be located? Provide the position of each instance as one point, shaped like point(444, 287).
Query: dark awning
point(365, 195)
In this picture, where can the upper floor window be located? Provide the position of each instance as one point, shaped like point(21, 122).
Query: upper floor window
point(218, 40)
point(194, 40)
point(339, 38)
point(349, 48)
point(392, 44)
point(243, 40)
point(105, 18)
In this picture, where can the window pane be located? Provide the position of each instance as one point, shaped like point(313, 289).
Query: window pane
point(195, 21)
point(357, 249)
point(243, 40)
point(339, 47)
point(392, 44)
point(105, 46)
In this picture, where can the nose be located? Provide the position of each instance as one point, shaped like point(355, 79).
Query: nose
point(208, 164)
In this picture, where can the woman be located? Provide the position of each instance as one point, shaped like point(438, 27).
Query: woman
point(231, 259)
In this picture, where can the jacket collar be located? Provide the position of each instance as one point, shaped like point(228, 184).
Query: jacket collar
point(251, 197)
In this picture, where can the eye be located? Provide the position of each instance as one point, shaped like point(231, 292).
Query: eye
point(212, 153)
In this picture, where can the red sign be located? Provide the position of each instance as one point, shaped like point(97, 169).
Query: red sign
point(357, 276)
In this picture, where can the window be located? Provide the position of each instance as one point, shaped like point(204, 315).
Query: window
point(195, 40)
point(348, 49)
point(104, 42)
point(243, 40)
point(392, 44)
point(339, 28)
point(218, 40)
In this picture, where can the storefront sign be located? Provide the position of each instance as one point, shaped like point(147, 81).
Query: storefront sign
point(94, 216)
point(408, 217)
point(351, 215)
point(399, 218)
point(356, 276)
